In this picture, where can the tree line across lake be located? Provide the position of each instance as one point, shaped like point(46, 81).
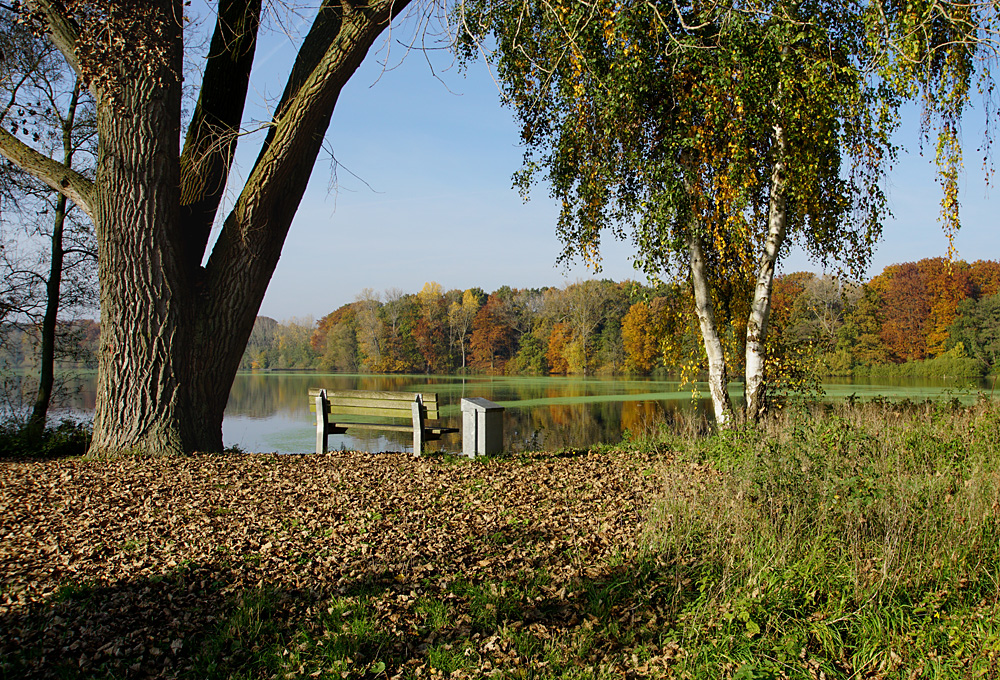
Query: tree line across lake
point(931, 317)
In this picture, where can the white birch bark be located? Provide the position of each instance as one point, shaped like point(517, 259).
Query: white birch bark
point(718, 382)
point(760, 310)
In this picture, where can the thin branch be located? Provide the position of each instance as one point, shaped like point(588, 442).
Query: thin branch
point(62, 31)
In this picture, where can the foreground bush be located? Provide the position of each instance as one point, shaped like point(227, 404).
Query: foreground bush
point(68, 438)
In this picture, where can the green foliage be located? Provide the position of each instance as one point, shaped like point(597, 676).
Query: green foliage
point(530, 359)
point(951, 364)
point(637, 119)
point(860, 334)
point(977, 331)
point(68, 438)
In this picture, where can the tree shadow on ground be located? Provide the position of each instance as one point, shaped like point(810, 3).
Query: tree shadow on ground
point(207, 621)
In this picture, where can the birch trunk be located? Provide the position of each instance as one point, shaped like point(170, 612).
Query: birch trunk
point(718, 382)
point(760, 311)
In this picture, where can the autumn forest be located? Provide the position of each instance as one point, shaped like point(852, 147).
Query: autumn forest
point(932, 317)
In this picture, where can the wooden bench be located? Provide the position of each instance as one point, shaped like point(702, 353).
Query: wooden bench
point(421, 409)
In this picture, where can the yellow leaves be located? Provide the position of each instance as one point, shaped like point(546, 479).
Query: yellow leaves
point(590, 253)
point(639, 338)
point(949, 161)
point(610, 32)
point(576, 65)
point(469, 300)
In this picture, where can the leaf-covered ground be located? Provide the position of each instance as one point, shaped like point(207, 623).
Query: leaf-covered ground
point(339, 565)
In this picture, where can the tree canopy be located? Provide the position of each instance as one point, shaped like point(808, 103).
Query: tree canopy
point(714, 134)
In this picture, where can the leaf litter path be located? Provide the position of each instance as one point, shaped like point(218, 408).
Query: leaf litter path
point(325, 566)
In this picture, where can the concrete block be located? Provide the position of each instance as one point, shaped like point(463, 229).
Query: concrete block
point(482, 427)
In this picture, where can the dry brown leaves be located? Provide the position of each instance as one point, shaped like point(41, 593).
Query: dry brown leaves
point(161, 548)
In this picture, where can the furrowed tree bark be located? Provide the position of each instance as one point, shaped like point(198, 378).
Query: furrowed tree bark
point(760, 310)
point(718, 381)
point(144, 287)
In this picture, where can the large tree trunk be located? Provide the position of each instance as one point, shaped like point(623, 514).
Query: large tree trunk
point(718, 382)
point(172, 331)
point(145, 288)
point(760, 311)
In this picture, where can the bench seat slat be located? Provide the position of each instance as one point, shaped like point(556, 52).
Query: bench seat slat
point(372, 426)
point(374, 394)
point(375, 411)
point(390, 427)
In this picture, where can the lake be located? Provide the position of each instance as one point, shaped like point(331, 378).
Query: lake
point(270, 411)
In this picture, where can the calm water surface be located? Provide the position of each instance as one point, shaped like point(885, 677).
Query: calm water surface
point(270, 411)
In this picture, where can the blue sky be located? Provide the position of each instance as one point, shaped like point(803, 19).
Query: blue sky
point(423, 191)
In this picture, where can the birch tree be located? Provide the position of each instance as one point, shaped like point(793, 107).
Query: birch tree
point(716, 135)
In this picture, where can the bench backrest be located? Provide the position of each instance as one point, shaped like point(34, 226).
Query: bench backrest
point(375, 404)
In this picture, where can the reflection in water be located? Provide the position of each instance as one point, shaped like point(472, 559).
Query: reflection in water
point(540, 413)
point(270, 411)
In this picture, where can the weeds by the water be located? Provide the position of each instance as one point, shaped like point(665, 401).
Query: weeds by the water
point(68, 438)
point(853, 540)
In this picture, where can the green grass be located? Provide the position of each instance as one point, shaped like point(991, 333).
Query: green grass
point(267, 634)
point(856, 541)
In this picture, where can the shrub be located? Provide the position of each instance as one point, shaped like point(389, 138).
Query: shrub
point(948, 365)
point(68, 438)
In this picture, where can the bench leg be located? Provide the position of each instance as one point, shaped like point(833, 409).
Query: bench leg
point(321, 422)
point(418, 426)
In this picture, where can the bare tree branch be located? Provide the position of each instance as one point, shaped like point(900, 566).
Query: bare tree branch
point(65, 180)
point(62, 30)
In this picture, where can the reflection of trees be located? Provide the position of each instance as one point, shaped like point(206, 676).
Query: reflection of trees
point(582, 425)
point(549, 426)
point(262, 395)
point(641, 417)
